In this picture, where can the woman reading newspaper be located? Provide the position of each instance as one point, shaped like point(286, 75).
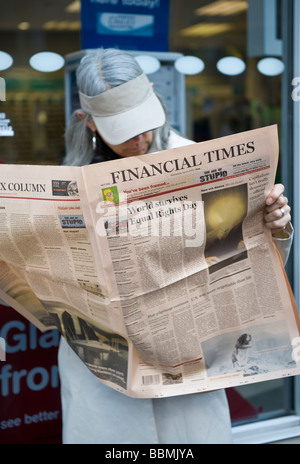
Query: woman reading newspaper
point(111, 83)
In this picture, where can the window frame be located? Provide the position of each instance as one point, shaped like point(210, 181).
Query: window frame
point(288, 425)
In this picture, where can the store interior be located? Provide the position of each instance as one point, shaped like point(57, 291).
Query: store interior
point(216, 104)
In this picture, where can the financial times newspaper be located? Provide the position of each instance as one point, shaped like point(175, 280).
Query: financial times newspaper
point(158, 269)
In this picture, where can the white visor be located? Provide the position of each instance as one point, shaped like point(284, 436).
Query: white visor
point(125, 111)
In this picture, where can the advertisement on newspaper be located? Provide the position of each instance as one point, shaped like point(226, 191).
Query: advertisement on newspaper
point(158, 269)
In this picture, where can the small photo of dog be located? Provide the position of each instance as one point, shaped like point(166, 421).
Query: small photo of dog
point(240, 353)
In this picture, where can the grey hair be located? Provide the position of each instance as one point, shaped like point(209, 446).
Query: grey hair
point(98, 71)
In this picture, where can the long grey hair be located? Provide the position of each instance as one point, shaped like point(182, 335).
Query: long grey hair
point(98, 71)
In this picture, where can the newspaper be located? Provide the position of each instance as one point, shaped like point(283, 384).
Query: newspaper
point(157, 269)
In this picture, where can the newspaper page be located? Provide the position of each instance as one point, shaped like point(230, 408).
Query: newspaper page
point(158, 269)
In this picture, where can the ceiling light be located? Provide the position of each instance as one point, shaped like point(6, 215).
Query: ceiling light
point(62, 25)
point(46, 61)
point(23, 26)
point(74, 26)
point(189, 65)
point(50, 25)
point(74, 7)
point(149, 64)
point(231, 66)
point(206, 29)
point(6, 61)
point(270, 66)
point(223, 8)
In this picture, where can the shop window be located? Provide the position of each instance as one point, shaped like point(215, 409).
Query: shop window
point(216, 105)
point(220, 104)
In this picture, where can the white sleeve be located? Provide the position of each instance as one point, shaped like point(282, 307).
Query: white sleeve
point(283, 241)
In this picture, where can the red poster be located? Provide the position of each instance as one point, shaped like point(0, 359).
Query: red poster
point(30, 409)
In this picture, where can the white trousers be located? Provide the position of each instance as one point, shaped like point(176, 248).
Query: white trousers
point(95, 414)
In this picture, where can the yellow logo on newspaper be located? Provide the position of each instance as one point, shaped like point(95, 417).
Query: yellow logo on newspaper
point(110, 194)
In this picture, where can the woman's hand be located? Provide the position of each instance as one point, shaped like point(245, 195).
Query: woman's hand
point(277, 213)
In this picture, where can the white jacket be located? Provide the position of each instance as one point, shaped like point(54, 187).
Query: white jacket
point(96, 414)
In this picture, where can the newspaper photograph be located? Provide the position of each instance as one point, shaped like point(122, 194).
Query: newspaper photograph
point(157, 270)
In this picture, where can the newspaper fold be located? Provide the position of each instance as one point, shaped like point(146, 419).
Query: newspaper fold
point(158, 269)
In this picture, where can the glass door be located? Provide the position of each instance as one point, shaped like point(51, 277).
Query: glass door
point(256, 35)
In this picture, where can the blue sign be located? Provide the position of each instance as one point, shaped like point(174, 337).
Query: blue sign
point(125, 24)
